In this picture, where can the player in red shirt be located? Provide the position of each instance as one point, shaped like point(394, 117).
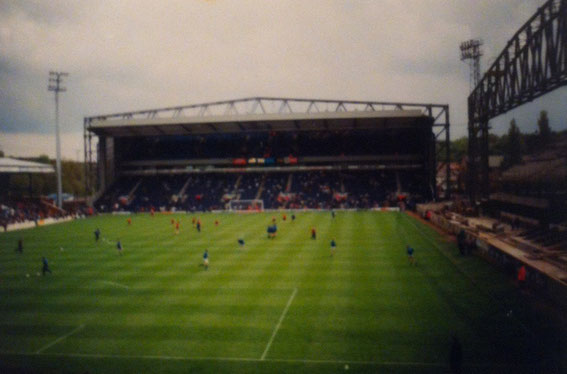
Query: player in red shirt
point(522, 276)
point(129, 220)
point(313, 233)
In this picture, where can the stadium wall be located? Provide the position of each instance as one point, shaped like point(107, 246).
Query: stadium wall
point(384, 209)
point(32, 224)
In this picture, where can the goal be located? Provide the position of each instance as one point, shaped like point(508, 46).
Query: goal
point(256, 205)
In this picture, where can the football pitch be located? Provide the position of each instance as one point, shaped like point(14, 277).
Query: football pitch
point(272, 305)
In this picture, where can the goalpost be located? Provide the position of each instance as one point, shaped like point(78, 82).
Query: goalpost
point(255, 205)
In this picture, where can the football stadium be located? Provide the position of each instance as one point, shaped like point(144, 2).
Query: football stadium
point(298, 235)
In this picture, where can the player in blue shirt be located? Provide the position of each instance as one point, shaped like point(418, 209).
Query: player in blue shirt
point(45, 268)
point(206, 259)
point(241, 242)
point(272, 230)
point(333, 247)
point(119, 247)
point(97, 234)
point(292, 217)
point(20, 247)
point(410, 255)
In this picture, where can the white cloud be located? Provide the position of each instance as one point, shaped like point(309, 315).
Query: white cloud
point(125, 55)
point(33, 145)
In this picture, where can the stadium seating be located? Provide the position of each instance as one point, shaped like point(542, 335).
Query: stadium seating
point(31, 210)
point(294, 190)
point(205, 191)
point(313, 189)
point(249, 186)
point(110, 200)
point(274, 184)
point(549, 238)
point(157, 192)
point(322, 169)
point(264, 144)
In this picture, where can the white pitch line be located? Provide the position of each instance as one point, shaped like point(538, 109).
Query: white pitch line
point(116, 284)
point(252, 359)
point(59, 339)
point(278, 325)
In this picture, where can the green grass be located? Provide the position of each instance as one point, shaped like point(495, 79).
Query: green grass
point(155, 309)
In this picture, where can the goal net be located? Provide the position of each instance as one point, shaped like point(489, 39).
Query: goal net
point(246, 205)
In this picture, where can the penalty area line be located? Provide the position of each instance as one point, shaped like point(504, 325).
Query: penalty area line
point(39, 351)
point(279, 324)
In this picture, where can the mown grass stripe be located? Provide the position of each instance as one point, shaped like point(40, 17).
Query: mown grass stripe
point(259, 360)
point(465, 274)
point(365, 304)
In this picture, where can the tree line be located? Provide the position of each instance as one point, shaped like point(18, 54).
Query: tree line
point(73, 179)
point(512, 145)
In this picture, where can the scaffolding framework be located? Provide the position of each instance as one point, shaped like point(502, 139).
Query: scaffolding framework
point(533, 63)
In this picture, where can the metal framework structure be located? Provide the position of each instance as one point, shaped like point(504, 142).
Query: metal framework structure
point(269, 105)
point(471, 52)
point(55, 85)
point(533, 63)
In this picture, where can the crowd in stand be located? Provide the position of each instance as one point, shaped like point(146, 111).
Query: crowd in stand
point(20, 211)
point(274, 185)
point(249, 186)
point(297, 190)
point(294, 190)
point(29, 210)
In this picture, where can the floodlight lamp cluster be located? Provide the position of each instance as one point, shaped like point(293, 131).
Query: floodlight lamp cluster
point(471, 49)
point(55, 81)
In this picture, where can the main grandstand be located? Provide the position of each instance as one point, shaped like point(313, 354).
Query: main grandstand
point(280, 153)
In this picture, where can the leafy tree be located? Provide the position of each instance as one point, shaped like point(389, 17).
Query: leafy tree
point(497, 144)
point(73, 177)
point(19, 185)
point(513, 151)
point(44, 159)
point(532, 143)
point(544, 131)
point(459, 148)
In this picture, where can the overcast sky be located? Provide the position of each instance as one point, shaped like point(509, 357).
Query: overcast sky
point(125, 55)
